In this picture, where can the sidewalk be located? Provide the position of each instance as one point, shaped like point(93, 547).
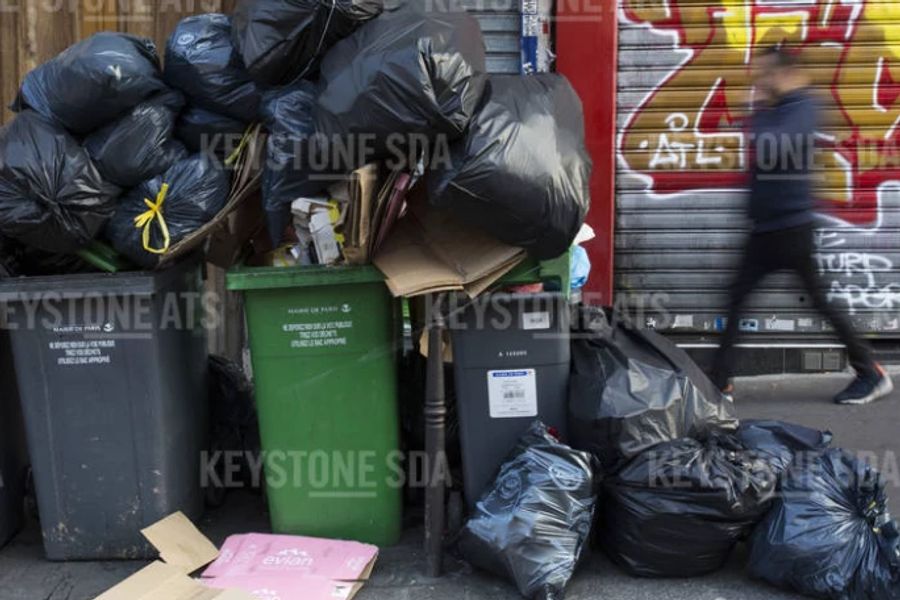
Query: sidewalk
point(24, 575)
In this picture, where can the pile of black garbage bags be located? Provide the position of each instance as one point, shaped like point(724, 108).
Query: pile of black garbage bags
point(110, 143)
point(660, 474)
point(97, 150)
point(355, 81)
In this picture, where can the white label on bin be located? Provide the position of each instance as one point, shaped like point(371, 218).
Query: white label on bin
point(512, 394)
point(535, 320)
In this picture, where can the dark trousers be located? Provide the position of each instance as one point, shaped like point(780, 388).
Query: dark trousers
point(792, 250)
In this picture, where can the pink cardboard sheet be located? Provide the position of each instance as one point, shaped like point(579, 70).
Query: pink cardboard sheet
point(284, 567)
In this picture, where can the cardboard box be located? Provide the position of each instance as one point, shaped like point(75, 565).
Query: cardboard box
point(430, 251)
point(224, 236)
point(249, 567)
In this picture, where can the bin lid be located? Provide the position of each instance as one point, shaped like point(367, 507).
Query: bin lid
point(79, 285)
point(267, 278)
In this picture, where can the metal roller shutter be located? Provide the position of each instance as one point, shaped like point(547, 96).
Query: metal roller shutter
point(682, 88)
point(501, 23)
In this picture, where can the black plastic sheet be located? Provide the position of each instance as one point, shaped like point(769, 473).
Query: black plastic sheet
point(93, 82)
point(631, 389)
point(532, 524)
point(198, 189)
point(522, 172)
point(679, 508)
point(281, 40)
point(829, 534)
point(405, 79)
point(139, 144)
point(200, 61)
point(51, 195)
point(233, 419)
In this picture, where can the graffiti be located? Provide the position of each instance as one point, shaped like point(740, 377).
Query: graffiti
point(859, 288)
point(688, 132)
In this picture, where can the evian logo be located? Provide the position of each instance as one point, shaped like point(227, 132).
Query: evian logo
point(265, 594)
point(291, 557)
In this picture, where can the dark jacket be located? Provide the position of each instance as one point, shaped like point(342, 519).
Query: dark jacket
point(782, 147)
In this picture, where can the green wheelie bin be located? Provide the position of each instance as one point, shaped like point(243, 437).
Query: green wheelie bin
point(323, 346)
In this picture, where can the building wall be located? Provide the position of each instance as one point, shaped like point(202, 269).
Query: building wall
point(683, 89)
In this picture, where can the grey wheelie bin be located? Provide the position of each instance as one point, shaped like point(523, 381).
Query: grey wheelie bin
point(111, 372)
point(511, 366)
point(13, 458)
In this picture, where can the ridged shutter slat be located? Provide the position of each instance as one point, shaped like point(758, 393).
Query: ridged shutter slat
point(683, 85)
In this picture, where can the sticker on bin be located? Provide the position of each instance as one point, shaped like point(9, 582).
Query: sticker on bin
point(512, 394)
point(535, 320)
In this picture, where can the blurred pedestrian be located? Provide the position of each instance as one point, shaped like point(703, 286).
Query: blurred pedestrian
point(781, 207)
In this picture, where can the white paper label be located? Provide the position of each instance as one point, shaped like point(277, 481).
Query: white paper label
point(684, 321)
point(775, 324)
point(535, 320)
point(512, 394)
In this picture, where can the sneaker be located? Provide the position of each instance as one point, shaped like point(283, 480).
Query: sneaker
point(728, 393)
point(866, 389)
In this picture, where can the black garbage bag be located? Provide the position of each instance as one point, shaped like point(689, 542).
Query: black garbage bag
point(781, 444)
point(829, 534)
point(93, 82)
point(286, 114)
point(409, 77)
point(204, 131)
point(139, 144)
point(632, 388)
point(282, 40)
point(679, 508)
point(51, 195)
point(522, 172)
point(197, 189)
point(532, 524)
point(19, 260)
point(200, 61)
point(233, 419)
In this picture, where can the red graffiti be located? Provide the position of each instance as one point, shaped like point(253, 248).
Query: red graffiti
point(686, 133)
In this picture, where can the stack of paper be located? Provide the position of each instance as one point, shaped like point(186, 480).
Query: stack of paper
point(315, 223)
point(376, 200)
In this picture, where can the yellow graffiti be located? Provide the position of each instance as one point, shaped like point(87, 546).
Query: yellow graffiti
point(687, 133)
point(737, 20)
point(884, 16)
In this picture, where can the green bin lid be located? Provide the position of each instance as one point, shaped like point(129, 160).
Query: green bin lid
point(267, 278)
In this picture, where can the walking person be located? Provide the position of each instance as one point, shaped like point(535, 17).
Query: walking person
point(781, 207)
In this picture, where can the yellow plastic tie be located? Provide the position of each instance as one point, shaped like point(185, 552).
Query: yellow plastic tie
point(145, 220)
point(232, 158)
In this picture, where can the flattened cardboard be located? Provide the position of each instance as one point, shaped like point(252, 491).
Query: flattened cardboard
point(160, 581)
point(180, 543)
point(430, 251)
point(310, 568)
point(294, 567)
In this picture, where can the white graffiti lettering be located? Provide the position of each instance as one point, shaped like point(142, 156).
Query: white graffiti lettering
point(871, 297)
point(866, 292)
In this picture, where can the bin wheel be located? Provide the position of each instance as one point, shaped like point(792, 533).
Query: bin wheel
point(454, 514)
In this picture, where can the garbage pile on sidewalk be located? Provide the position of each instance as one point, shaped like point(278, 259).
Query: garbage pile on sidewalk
point(357, 139)
point(94, 156)
point(365, 152)
point(680, 482)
